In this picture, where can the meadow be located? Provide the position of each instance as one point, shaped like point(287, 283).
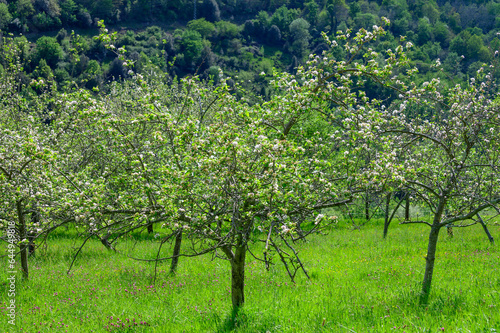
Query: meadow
point(359, 283)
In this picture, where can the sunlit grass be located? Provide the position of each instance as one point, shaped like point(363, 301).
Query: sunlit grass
point(359, 283)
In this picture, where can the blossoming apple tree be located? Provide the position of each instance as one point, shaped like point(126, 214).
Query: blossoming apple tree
point(228, 173)
point(450, 156)
point(31, 190)
point(445, 154)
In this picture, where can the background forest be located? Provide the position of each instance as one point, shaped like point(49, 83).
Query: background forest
point(243, 38)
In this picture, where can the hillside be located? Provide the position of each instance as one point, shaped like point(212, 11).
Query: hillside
point(243, 38)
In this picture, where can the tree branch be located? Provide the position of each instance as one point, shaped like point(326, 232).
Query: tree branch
point(412, 222)
point(471, 214)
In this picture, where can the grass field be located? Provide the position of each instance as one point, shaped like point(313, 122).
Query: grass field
point(359, 283)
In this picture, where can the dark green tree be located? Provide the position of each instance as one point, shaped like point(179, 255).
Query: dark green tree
point(205, 28)
point(338, 12)
point(24, 9)
point(192, 46)
point(5, 16)
point(312, 9)
point(261, 24)
point(424, 31)
point(43, 71)
point(92, 77)
point(227, 30)
point(274, 35)
point(47, 48)
point(210, 10)
point(441, 34)
point(283, 17)
point(299, 35)
point(365, 20)
point(69, 11)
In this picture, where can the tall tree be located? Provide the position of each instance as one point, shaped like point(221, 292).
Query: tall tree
point(299, 35)
point(338, 12)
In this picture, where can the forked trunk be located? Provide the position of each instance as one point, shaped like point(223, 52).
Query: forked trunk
point(238, 277)
point(177, 252)
point(22, 236)
point(106, 243)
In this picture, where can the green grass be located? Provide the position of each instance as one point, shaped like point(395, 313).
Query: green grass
point(359, 283)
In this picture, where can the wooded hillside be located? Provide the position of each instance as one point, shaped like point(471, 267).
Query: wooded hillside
point(243, 38)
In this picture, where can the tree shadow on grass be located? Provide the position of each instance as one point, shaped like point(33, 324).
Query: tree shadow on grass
point(235, 319)
point(239, 319)
point(442, 301)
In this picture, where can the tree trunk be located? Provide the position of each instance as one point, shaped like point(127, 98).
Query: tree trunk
point(150, 229)
point(35, 219)
point(387, 219)
point(485, 228)
point(429, 267)
point(22, 236)
point(106, 243)
point(367, 207)
point(31, 243)
point(238, 277)
point(177, 251)
point(431, 250)
point(449, 229)
point(407, 207)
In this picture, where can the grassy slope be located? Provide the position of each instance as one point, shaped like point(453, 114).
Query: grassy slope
point(360, 283)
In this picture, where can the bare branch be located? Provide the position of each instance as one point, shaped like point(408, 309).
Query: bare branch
point(412, 222)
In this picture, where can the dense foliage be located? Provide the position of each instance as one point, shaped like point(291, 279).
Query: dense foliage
point(243, 38)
